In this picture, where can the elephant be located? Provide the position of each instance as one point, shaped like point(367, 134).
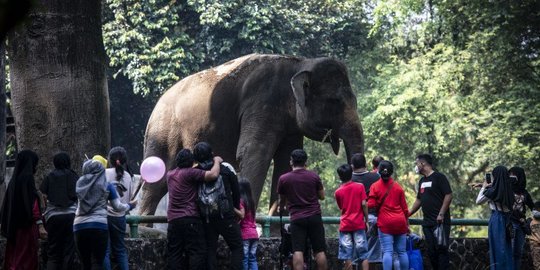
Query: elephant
point(252, 110)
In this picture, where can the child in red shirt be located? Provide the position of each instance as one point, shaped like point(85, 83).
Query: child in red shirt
point(351, 200)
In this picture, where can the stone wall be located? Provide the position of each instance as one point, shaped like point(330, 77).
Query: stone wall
point(150, 254)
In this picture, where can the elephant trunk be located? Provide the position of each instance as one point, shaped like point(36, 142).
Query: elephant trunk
point(352, 135)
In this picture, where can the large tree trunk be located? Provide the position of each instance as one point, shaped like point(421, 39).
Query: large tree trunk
point(58, 82)
point(2, 121)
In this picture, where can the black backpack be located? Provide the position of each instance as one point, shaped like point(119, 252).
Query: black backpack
point(213, 200)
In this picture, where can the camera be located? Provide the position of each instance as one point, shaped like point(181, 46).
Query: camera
point(488, 178)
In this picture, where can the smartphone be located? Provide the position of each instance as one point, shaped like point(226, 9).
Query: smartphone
point(488, 178)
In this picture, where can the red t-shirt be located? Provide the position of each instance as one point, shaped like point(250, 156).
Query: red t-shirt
point(301, 188)
point(183, 186)
point(392, 218)
point(349, 197)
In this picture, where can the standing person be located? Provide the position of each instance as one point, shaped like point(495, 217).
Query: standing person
point(301, 190)
point(375, 163)
point(224, 224)
point(186, 242)
point(534, 238)
point(522, 199)
point(362, 175)
point(434, 196)
point(388, 197)
point(351, 200)
point(118, 176)
point(21, 217)
point(58, 189)
point(498, 193)
point(90, 224)
point(247, 226)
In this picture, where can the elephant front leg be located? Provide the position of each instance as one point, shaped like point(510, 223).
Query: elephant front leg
point(151, 195)
point(254, 155)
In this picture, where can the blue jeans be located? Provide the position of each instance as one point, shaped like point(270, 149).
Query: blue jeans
point(394, 243)
point(517, 244)
point(250, 254)
point(374, 246)
point(500, 249)
point(353, 246)
point(117, 234)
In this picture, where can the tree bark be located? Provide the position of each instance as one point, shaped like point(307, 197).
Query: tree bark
point(2, 121)
point(58, 82)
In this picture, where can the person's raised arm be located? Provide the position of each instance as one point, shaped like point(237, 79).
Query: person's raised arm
point(213, 173)
point(480, 199)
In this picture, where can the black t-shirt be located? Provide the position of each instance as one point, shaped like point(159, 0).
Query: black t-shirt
point(431, 192)
point(366, 178)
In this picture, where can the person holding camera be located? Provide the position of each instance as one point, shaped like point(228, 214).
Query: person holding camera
point(434, 196)
point(497, 192)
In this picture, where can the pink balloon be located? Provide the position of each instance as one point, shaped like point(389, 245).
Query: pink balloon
point(152, 169)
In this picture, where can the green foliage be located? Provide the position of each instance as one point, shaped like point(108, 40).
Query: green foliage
point(157, 42)
point(458, 79)
point(460, 82)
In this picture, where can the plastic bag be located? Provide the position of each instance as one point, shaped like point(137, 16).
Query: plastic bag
point(415, 256)
point(440, 235)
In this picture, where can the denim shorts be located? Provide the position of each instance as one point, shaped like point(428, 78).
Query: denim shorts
point(353, 246)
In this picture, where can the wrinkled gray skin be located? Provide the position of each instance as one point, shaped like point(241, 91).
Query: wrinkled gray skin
point(253, 110)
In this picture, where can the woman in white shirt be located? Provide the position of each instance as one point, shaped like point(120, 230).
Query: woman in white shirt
point(498, 194)
point(119, 177)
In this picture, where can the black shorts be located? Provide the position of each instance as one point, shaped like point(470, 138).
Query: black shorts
point(308, 228)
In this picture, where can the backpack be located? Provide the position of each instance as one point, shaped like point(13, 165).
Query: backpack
point(213, 200)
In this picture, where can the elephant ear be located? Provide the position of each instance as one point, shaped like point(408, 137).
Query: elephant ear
point(300, 84)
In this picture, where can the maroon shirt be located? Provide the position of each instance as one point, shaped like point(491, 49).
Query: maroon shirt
point(301, 188)
point(183, 186)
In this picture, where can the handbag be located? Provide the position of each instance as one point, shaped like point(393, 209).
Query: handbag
point(440, 235)
point(374, 230)
point(415, 256)
point(510, 233)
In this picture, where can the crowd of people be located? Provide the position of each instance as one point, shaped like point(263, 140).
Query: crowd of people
point(87, 213)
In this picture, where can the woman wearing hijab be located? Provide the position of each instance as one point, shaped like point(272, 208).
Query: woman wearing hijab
point(21, 217)
point(58, 189)
point(522, 199)
point(121, 179)
point(90, 225)
point(387, 196)
point(498, 194)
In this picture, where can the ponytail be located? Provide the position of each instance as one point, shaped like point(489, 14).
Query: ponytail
point(118, 159)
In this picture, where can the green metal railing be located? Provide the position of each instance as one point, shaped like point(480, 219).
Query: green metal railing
point(267, 221)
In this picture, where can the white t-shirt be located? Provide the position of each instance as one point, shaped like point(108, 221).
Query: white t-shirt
point(110, 174)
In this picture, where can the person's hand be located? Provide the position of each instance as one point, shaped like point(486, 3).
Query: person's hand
point(476, 185)
point(440, 218)
point(218, 159)
point(133, 203)
point(42, 232)
point(367, 226)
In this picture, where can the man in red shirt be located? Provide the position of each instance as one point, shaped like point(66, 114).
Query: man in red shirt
point(301, 190)
point(351, 200)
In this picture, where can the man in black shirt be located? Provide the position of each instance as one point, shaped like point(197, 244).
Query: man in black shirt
point(367, 178)
point(434, 196)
